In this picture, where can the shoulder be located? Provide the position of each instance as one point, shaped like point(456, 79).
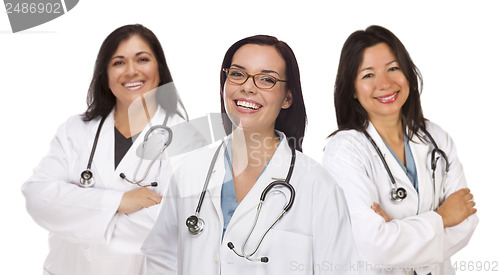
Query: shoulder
point(314, 184)
point(75, 125)
point(190, 170)
point(435, 129)
point(72, 134)
point(75, 120)
point(184, 128)
point(306, 163)
point(442, 138)
point(195, 159)
point(185, 138)
point(347, 144)
point(307, 169)
point(345, 138)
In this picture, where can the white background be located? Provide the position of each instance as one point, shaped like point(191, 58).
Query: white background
point(45, 73)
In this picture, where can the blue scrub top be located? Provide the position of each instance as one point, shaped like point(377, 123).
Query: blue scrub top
point(410, 169)
point(228, 194)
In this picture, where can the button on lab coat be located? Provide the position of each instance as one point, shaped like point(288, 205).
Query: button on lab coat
point(415, 237)
point(87, 235)
point(314, 237)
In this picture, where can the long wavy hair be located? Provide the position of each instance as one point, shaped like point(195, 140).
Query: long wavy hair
point(100, 99)
point(350, 114)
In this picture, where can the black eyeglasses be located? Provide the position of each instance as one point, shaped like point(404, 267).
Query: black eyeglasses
point(262, 81)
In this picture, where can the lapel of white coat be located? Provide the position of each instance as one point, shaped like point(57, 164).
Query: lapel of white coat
point(130, 161)
point(399, 175)
point(216, 180)
point(276, 169)
point(103, 162)
point(421, 153)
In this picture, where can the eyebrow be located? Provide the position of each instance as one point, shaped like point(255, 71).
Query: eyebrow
point(263, 71)
point(137, 54)
point(371, 68)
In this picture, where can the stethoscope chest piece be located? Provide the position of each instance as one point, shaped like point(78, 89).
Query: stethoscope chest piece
point(87, 179)
point(398, 194)
point(195, 225)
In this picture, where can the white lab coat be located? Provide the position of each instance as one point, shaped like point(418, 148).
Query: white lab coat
point(415, 237)
point(314, 237)
point(87, 235)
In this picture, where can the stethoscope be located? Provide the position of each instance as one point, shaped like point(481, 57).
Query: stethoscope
point(87, 178)
point(195, 224)
point(398, 194)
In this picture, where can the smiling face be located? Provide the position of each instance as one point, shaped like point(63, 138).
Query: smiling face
point(381, 87)
point(132, 71)
point(257, 109)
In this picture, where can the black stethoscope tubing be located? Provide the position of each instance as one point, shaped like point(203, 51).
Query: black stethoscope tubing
point(399, 194)
point(87, 178)
point(436, 149)
point(379, 153)
point(94, 146)
point(207, 180)
point(195, 224)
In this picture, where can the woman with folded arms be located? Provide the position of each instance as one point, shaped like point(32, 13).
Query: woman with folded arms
point(98, 190)
point(408, 199)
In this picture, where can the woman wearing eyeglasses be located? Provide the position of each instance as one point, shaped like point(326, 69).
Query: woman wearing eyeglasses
point(260, 159)
point(408, 199)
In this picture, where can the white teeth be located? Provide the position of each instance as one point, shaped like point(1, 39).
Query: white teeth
point(133, 84)
point(389, 97)
point(247, 104)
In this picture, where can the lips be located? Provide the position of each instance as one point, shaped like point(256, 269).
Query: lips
point(133, 85)
point(386, 99)
point(247, 106)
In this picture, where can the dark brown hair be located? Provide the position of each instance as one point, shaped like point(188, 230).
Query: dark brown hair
point(100, 99)
point(350, 114)
point(291, 121)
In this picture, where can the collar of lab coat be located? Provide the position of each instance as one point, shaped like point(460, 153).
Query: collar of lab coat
point(421, 154)
point(103, 161)
point(277, 168)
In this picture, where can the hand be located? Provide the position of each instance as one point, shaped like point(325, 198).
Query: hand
point(376, 207)
point(457, 207)
point(137, 199)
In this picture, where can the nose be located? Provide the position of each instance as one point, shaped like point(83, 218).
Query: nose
point(131, 69)
point(249, 85)
point(383, 81)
